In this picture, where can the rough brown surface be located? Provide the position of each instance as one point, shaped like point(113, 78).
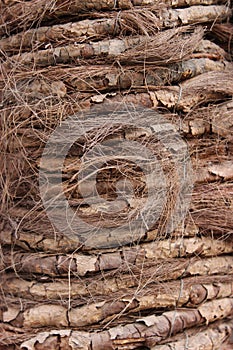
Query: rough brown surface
point(157, 290)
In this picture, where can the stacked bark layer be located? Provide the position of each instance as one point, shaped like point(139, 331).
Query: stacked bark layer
point(161, 290)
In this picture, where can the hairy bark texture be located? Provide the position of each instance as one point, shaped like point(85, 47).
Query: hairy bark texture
point(156, 289)
point(142, 21)
point(117, 49)
point(25, 14)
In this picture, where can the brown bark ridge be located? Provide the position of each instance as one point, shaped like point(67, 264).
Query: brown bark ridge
point(116, 49)
point(103, 79)
point(153, 289)
point(147, 331)
point(211, 338)
point(25, 14)
point(142, 21)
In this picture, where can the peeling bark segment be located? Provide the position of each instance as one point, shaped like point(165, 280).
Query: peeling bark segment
point(191, 93)
point(141, 21)
point(219, 115)
point(106, 80)
point(197, 90)
point(205, 339)
point(216, 118)
point(185, 293)
point(73, 52)
point(158, 76)
point(54, 316)
point(189, 291)
point(208, 339)
point(72, 32)
point(198, 14)
point(150, 330)
point(36, 241)
point(61, 244)
point(80, 264)
point(108, 283)
point(120, 49)
point(24, 14)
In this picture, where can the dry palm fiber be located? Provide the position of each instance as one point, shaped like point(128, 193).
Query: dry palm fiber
point(221, 223)
point(26, 14)
point(121, 50)
point(76, 295)
point(108, 78)
point(211, 212)
point(224, 33)
point(206, 198)
point(216, 85)
point(127, 22)
point(202, 151)
point(203, 176)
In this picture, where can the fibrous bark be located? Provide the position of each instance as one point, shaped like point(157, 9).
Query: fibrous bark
point(138, 21)
point(147, 331)
point(55, 315)
point(116, 49)
point(105, 284)
point(24, 14)
point(210, 338)
point(104, 79)
point(190, 93)
point(156, 289)
point(80, 264)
